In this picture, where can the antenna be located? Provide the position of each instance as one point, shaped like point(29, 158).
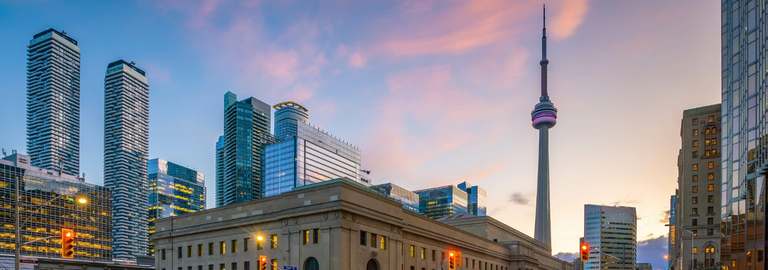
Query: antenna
point(4, 154)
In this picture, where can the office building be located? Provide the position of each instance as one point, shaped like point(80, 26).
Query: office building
point(51, 201)
point(611, 232)
point(126, 149)
point(305, 154)
point(743, 135)
point(544, 117)
point(408, 199)
point(341, 225)
point(247, 125)
point(220, 172)
point(672, 244)
point(644, 266)
point(442, 201)
point(174, 190)
point(477, 197)
point(698, 198)
point(53, 102)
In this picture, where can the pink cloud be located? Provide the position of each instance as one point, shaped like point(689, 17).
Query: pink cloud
point(356, 60)
point(570, 16)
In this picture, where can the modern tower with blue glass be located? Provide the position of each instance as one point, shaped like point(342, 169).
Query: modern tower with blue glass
point(53, 102)
point(247, 126)
point(477, 199)
point(544, 117)
point(220, 171)
point(439, 202)
point(305, 154)
point(126, 148)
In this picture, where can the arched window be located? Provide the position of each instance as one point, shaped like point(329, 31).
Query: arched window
point(372, 265)
point(709, 255)
point(311, 264)
point(714, 130)
point(706, 132)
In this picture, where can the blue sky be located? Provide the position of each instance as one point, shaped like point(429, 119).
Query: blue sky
point(432, 92)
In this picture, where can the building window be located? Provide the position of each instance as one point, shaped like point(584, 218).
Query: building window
point(200, 251)
point(695, 143)
point(714, 130)
point(259, 246)
point(234, 247)
point(162, 254)
point(695, 178)
point(311, 264)
point(710, 232)
point(210, 250)
point(711, 118)
point(714, 152)
point(694, 211)
point(373, 240)
point(199, 267)
point(413, 251)
point(695, 167)
point(710, 210)
point(178, 255)
point(305, 237)
point(695, 121)
point(710, 165)
point(234, 266)
point(423, 253)
point(695, 200)
point(706, 142)
point(383, 244)
point(189, 252)
point(210, 267)
point(710, 187)
point(274, 241)
point(696, 132)
point(222, 247)
point(706, 153)
point(245, 243)
point(246, 265)
point(363, 241)
point(694, 222)
point(695, 250)
point(714, 141)
point(710, 221)
point(695, 189)
point(222, 267)
point(695, 154)
point(711, 198)
point(274, 264)
point(710, 176)
point(315, 236)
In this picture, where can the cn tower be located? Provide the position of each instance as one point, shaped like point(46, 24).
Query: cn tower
point(544, 117)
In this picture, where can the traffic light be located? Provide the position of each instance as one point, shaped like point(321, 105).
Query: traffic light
point(451, 260)
point(67, 243)
point(584, 250)
point(262, 262)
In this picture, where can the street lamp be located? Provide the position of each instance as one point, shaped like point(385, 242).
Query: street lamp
point(18, 224)
point(692, 244)
point(261, 238)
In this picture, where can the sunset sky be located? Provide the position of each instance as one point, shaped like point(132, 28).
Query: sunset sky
point(432, 92)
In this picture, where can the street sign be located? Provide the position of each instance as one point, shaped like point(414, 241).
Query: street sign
point(289, 267)
point(28, 261)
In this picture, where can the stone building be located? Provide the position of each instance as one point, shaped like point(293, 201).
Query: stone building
point(340, 225)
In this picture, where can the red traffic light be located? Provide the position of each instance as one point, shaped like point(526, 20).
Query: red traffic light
point(584, 252)
point(67, 247)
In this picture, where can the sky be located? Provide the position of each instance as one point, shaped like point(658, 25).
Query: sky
point(432, 92)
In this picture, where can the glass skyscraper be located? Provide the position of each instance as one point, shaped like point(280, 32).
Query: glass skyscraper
point(407, 198)
point(476, 203)
point(611, 230)
point(247, 125)
point(48, 204)
point(442, 201)
point(173, 190)
point(219, 181)
point(126, 147)
point(744, 135)
point(53, 102)
point(305, 154)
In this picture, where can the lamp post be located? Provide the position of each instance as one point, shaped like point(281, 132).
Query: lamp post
point(18, 224)
point(261, 238)
point(692, 244)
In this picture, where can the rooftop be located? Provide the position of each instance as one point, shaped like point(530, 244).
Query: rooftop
point(123, 62)
point(51, 30)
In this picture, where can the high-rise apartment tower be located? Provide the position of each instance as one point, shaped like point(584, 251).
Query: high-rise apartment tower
point(53, 102)
point(219, 180)
point(610, 230)
point(126, 148)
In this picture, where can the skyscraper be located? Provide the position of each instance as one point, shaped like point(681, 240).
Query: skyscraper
point(672, 244)
point(477, 197)
point(173, 190)
point(698, 196)
point(544, 117)
point(247, 125)
point(407, 198)
point(305, 154)
point(744, 134)
point(53, 102)
point(126, 147)
point(220, 172)
point(439, 202)
point(611, 232)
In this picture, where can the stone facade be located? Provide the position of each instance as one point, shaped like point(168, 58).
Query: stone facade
point(343, 226)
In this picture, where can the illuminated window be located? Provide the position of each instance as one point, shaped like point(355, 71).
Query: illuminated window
point(696, 132)
point(706, 132)
point(695, 189)
point(711, 119)
point(711, 176)
point(706, 153)
point(413, 251)
point(423, 253)
point(305, 238)
point(383, 244)
point(222, 248)
point(710, 187)
point(274, 241)
point(710, 165)
point(695, 167)
point(696, 143)
point(706, 142)
point(695, 250)
point(695, 178)
point(714, 130)
point(695, 200)
point(274, 264)
point(714, 152)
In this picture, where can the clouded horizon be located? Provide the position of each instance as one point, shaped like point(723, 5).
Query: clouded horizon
point(432, 92)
